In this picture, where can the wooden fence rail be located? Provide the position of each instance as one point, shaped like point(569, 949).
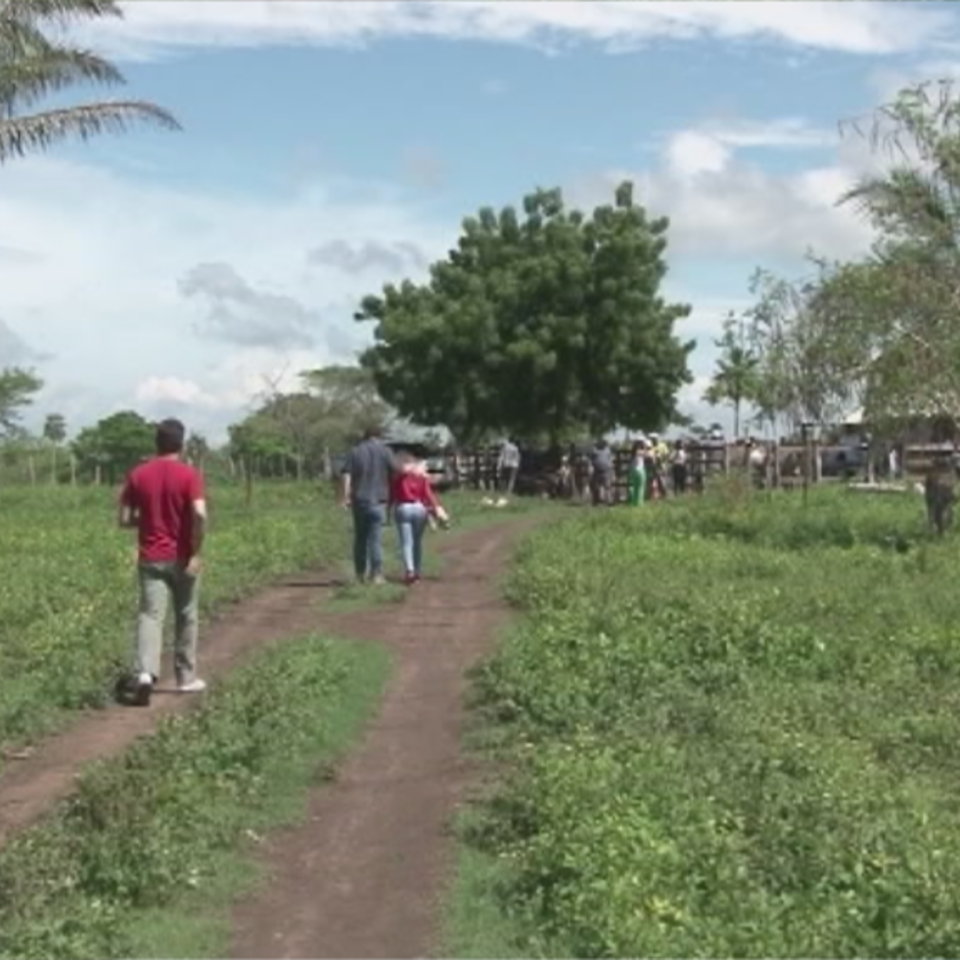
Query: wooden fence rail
point(783, 465)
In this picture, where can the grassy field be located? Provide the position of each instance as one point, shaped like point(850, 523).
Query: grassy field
point(68, 594)
point(146, 857)
point(731, 727)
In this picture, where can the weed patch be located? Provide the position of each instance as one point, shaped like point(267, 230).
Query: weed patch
point(144, 856)
point(727, 730)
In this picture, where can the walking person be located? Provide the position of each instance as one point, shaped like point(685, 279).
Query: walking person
point(163, 499)
point(678, 468)
point(637, 477)
point(508, 465)
point(365, 489)
point(413, 504)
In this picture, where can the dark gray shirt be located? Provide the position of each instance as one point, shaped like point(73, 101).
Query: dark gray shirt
point(369, 464)
point(602, 458)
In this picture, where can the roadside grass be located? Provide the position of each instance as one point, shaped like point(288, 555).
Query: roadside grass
point(721, 727)
point(68, 594)
point(474, 925)
point(146, 857)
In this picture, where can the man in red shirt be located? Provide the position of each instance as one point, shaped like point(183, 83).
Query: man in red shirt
point(163, 500)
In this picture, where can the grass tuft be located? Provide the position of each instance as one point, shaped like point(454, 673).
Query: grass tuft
point(144, 859)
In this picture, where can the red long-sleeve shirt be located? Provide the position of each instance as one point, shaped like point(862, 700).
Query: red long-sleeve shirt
point(409, 487)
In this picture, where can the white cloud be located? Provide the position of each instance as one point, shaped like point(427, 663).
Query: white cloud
point(225, 390)
point(155, 27)
point(690, 153)
point(113, 257)
point(709, 147)
point(887, 81)
point(721, 204)
point(784, 132)
point(494, 87)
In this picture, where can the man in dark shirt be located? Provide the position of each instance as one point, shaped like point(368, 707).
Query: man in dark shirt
point(365, 487)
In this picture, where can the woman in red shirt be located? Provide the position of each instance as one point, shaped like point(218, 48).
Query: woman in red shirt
point(413, 502)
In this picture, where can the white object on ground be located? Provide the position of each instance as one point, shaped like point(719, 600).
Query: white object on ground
point(194, 686)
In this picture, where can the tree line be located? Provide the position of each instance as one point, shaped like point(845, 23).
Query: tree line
point(289, 435)
point(879, 334)
point(548, 323)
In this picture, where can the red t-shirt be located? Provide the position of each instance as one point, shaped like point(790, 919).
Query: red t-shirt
point(162, 491)
point(409, 487)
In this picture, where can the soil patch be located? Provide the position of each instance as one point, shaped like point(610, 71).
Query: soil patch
point(363, 876)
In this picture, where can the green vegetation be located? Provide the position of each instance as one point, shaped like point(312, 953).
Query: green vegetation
point(35, 64)
point(729, 728)
point(144, 858)
point(878, 332)
point(543, 325)
point(68, 594)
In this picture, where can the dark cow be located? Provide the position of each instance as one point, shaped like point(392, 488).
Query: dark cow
point(940, 493)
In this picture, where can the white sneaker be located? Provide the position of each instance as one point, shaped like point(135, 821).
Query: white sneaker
point(144, 689)
point(194, 686)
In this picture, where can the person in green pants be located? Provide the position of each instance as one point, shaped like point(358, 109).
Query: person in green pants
point(637, 477)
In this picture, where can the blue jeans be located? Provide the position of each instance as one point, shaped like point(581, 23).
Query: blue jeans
point(411, 519)
point(368, 520)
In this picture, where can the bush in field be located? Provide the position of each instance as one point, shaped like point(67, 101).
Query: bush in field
point(730, 739)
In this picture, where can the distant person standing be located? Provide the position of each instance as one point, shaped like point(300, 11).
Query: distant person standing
point(508, 465)
point(163, 500)
point(637, 477)
point(601, 476)
point(365, 488)
point(678, 468)
point(661, 454)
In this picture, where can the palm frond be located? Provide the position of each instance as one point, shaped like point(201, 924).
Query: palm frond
point(27, 80)
point(60, 12)
point(20, 135)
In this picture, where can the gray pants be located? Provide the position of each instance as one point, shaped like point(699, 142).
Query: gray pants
point(159, 584)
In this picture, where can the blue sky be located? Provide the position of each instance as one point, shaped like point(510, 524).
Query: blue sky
point(328, 148)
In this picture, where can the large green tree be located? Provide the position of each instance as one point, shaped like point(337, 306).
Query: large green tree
point(348, 401)
point(807, 359)
point(541, 325)
point(302, 429)
point(35, 63)
point(894, 317)
point(114, 445)
point(18, 387)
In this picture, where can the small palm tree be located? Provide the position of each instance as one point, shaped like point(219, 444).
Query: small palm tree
point(34, 66)
point(735, 378)
point(54, 432)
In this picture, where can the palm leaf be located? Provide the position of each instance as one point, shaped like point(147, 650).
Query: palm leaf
point(19, 135)
point(32, 67)
point(60, 12)
point(27, 80)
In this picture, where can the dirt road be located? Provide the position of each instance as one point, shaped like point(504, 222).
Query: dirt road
point(362, 877)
